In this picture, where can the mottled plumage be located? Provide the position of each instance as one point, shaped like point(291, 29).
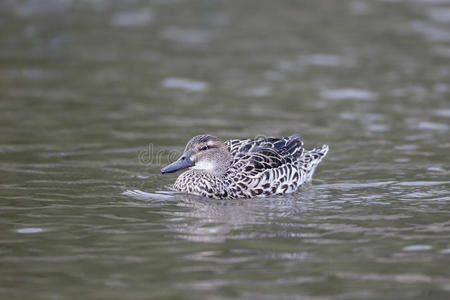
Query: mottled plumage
point(245, 168)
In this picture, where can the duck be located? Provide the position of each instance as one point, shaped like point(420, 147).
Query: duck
point(244, 168)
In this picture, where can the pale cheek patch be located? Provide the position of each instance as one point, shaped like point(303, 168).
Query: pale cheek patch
point(204, 165)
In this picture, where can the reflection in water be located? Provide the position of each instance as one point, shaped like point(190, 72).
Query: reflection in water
point(205, 220)
point(210, 221)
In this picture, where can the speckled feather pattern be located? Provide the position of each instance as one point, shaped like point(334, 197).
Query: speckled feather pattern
point(260, 167)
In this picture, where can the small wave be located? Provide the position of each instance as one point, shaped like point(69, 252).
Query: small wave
point(442, 112)
point(441, 14)
point(421, 183)
point(140, 195)
point(417, 248)
point(30, 230)
point(185, 84)
point(258, 91)
point(354, 185)
point(431, 32)
point(432, 126)
point(195, 36)
point(352, 94)
point(131, 18)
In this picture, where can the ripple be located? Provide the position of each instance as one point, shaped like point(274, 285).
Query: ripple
point(315, 60)
point(347, 186)
point(140, 195)
point(441, 51)
point(195, 36)
point(401, 159)
point(442, 112)
point(258, 91)
point(30, 230)
point(185, 84)
point(351, 94)
point(415, 123)
point(439, 14)
point(432, 33)
point(407, 147)
point(360, 7)
point(377, 127)
point(421, 183)
point(68, 258)
point(326, 60)
point(432, 126)
point(131, 18)
point(417, 248)
point(436, 169)
point(405, 278)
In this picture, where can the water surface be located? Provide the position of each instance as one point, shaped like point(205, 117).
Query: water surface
point(97, 96)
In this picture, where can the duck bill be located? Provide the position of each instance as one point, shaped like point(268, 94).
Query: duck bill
point(183, 162)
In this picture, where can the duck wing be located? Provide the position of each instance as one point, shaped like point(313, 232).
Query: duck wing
point(283, 146)
point(265, 165)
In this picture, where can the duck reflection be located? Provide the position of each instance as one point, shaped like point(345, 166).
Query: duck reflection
point(201, 219)
point(206, 220)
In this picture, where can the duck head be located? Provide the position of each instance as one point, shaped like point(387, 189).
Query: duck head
point(203, 152)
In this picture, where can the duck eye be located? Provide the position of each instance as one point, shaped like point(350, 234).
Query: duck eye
point(205, 147)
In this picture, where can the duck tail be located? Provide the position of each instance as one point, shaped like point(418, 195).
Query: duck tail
point(311, 159)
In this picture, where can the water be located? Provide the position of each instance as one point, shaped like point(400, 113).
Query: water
point(96, 96)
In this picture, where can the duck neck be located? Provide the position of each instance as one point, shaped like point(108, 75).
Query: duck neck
point(223, 163)
point(217, 166)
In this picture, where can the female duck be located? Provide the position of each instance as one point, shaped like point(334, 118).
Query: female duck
point(245, 168)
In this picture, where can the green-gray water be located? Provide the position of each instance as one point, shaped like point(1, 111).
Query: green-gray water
point(96, 96)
